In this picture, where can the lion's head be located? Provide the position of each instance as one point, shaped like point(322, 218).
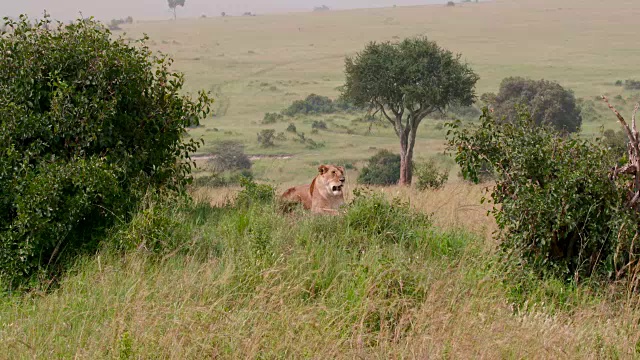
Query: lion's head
point(331, 180)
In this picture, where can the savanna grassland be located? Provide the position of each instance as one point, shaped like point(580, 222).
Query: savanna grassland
point(414, 279)
point(255, 65)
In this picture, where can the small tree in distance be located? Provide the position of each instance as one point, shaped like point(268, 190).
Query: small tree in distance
point(406, 82)
point(173, 4)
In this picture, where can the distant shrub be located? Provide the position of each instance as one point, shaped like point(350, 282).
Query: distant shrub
point(224, 179)
point(382, 169)
point(316, 104)
point(272, 118)
point(429, 175)
point(266, 138)
point(229, 155)
point(254, 193)
point(321, 8)
point(451, 3)
point(619, 83)
point(114, 24)
point(319, 124)
point(87, 128)
point(546, 101)
point(292, 128)
point(313, 104)
point(632, 84)
point(281, 136)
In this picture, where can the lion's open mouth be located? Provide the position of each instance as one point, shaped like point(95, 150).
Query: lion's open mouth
point(337, 188)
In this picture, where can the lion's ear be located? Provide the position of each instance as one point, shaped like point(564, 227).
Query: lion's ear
point(322, 169)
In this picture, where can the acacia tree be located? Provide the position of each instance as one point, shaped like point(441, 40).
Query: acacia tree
point(406, 82)
point(173, 4)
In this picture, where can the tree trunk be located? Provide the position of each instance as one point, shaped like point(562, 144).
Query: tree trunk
point(174, 14)
point(407, 142)
point(405, 170)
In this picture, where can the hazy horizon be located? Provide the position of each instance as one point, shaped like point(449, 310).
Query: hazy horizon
point(158, 9)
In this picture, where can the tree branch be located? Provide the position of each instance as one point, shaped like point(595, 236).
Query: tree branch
point(633, 121)
point(633, 167)
point(620, 118)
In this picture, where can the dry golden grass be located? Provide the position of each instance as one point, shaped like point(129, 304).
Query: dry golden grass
point(261, 64)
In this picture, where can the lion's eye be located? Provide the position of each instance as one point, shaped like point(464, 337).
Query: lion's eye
point(333, 171)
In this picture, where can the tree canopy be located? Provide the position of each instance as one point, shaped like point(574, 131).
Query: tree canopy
point(88, 125)
point(406, 82)
point(173, 4)
point(546, 101)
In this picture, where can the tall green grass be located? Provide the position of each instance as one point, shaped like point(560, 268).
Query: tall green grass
point(187, 280)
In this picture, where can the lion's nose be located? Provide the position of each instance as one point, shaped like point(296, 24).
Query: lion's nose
point(342, 179)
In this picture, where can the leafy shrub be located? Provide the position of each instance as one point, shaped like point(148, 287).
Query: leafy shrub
point(382, 169)
point(266, 137)
point(281, 136)
point(229, 156)
point(619, 83)
point(313, 104)
point(254, 193)
point(547, 101)
point(292, 128)
point(317, 104)
point(272, 118)
point(87, 125)
point(428, 175)
point(554, 203)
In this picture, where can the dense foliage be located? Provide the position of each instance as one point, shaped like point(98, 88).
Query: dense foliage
point(546, 101)
point(317, 104)
point(87, 125)
point(406, 82)
point(383, 168)
point(554, 202)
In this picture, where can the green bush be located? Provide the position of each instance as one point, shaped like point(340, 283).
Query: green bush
point(382, 169)
point(547, 101)
point(317, 104)
point(428, 175)
point(292, 128)
point(87, 125)
point(266, 138)
point(272, 118)
point(319, 125)
point(554, 202)
point(254, 193)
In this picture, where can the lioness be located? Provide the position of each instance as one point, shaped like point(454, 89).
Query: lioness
point(324, 194)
